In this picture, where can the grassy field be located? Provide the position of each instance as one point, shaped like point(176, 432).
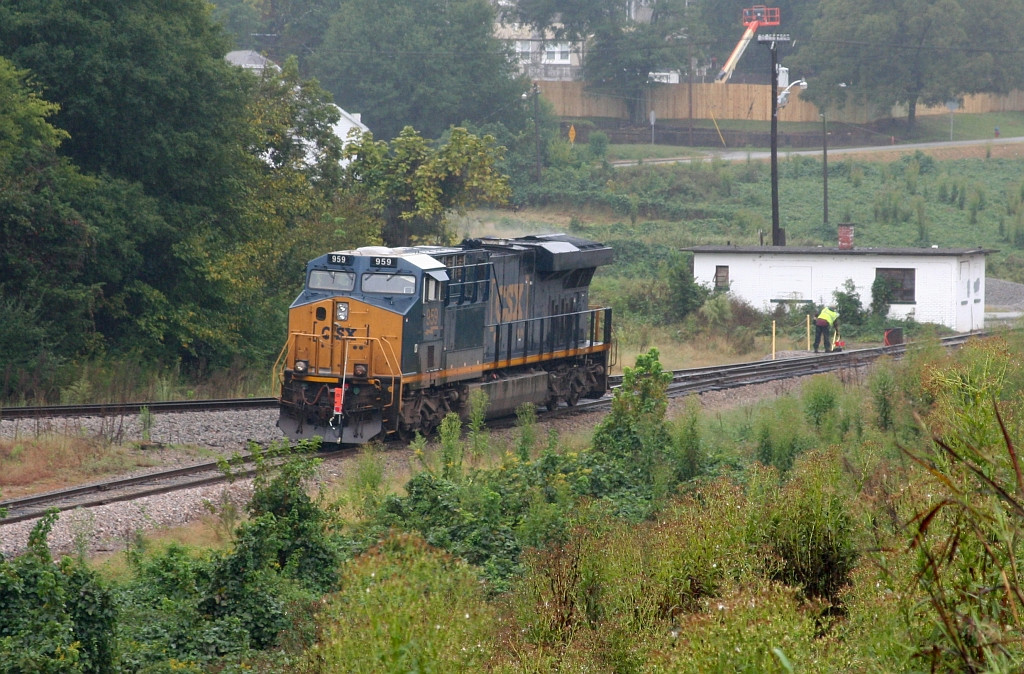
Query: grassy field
point(927, 129)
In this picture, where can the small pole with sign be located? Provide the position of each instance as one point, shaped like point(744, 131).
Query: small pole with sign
point(572, 134)
point(653, 118)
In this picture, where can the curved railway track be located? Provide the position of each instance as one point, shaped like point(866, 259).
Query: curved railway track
point(684, 382)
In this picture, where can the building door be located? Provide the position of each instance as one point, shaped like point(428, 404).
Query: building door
point(964, 298)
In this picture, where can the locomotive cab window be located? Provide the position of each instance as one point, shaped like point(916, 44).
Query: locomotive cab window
point(431, 289)
point(325, 279)
point(389, 284)
point(434, 281)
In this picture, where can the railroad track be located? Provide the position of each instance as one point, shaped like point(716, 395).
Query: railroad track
point(122, 489)
point(684, 382)
point(119, 409)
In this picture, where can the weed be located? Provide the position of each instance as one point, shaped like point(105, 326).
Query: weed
point(82, 527)
point(526, 424)
point(476, 430)
point(226, 515)
point(146, 422)
point(366, 487)
point(821, 400)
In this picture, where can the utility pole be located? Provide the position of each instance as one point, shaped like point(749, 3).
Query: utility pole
point(824, 168)
point(778, 234)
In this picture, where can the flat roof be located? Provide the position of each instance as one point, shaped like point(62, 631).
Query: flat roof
point(827, 250)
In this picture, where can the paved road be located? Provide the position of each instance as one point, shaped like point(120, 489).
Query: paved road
point(743, 155)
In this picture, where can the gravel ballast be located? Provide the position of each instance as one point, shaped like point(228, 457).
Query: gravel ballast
point(111, 526)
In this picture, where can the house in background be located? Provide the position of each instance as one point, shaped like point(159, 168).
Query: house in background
point(252, 60)
point(933, 285)
point(543, 57)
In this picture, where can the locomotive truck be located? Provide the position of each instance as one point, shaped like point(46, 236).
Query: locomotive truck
point(388, 341)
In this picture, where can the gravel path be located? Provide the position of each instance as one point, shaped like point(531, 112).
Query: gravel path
point(110, 527)
point(1003, 295)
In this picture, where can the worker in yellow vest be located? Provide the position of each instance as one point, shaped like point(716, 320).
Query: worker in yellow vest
point(826, 321)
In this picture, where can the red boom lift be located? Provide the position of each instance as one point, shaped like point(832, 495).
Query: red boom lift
point(753, 18)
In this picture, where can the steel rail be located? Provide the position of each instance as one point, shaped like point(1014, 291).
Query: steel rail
point(121, 489)
point(117, 409)
point(684, 382)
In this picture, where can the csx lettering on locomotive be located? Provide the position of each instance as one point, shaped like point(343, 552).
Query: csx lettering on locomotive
point(509, 317)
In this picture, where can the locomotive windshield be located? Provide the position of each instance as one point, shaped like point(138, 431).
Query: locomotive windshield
point(389, 284)
point(323, 279)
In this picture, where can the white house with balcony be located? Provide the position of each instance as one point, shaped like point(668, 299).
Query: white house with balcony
point(933, 285)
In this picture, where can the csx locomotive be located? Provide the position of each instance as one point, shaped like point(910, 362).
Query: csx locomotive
point(385, 341)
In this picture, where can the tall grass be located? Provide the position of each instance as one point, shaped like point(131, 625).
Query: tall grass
point(51, 460)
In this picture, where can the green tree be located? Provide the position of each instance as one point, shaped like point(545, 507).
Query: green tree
point(147, 98)
point(687, 295)
point(200, 176)
point(409, 186)
point(913, 52)
point(277, 28)
point(68, 245)
point(429, 64)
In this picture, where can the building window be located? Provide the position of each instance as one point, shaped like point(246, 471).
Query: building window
point(901, 282)
point(722, 277)
point(556, 52)
point(524, 50)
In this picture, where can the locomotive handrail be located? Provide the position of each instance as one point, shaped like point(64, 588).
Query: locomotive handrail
point(571, 342)
point(278, 368)
point(394, 368)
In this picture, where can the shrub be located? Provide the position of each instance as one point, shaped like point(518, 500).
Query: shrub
point(811, 530)
point(598, 143)
point(689, 448)
point(884, 394)
point(882, 295)
point(821, 399)
point(848, 304)
point(55, 617)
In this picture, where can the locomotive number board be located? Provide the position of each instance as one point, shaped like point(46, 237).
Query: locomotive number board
point(375, 261)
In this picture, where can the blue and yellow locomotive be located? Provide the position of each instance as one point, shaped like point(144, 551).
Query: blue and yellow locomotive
point(388, 341)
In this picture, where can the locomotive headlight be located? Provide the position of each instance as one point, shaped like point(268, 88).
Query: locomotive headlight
point(342, 311)
point(301, 366)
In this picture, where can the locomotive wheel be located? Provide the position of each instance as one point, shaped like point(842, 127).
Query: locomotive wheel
point(573, 397)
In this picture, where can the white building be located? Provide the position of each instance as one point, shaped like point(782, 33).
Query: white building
point(347, 121)
point(933, 285)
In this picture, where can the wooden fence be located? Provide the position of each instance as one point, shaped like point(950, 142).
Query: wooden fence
point(671, 102)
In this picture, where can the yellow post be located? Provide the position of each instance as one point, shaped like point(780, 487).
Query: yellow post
point(773, 340)
point(808, 332)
